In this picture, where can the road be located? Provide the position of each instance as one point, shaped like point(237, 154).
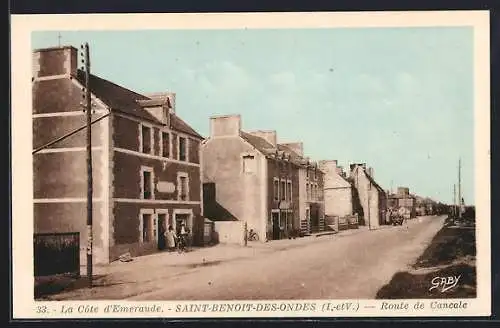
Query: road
point(336, 267)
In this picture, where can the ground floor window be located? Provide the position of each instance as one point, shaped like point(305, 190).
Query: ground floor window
point(148, 228)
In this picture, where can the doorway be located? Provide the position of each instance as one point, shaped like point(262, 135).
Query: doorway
point(179, 220)
point(162, 228)
point(276, 225)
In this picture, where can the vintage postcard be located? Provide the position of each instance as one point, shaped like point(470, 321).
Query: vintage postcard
point(251, 165)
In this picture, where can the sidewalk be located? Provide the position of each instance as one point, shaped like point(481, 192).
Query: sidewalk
point(120, 280)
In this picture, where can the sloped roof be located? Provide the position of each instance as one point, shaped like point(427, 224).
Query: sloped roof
point(127, 101)
point(259, 143)
point(370, 178)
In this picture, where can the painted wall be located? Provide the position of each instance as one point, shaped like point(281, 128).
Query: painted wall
point(230, 232)
point(60, 171)
point(238, 194)
point(372, 200)
point(337, 191)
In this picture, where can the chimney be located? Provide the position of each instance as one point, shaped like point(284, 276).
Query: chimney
point(297, 147)
point(328, 166)
point(403, 191)
point(167, 97)
point(268, 135)
point(55, 61)
point(370, 171)
point(226, 125)
point(340, 171)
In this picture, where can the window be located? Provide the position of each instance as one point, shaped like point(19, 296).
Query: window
point(308, 193)
point(148, 228)
point(276, 189)
point(248, 164)
point(146, 139)
point(165, 144)
point(182, 149)
point(283, 190)
point(289, 189)
point(183, 186)
point(147, 183)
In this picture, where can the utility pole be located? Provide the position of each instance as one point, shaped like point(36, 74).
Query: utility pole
point(88, 109)
point(459, 188)
point(454, 199)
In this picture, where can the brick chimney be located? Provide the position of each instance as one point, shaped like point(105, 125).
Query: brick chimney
point(225, 125)
point(328, 166)
point(268, 135)
point(55, 61)
point(297, 147)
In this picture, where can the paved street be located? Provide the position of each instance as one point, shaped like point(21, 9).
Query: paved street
point(351, 264)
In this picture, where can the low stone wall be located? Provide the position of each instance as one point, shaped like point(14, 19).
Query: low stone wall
point(229, 232)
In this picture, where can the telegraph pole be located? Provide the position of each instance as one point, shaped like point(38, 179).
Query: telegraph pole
point(459, 188)
point(88, 109)
point(454, 199)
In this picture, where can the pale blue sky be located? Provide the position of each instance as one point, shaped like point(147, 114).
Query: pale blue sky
point(399, 99)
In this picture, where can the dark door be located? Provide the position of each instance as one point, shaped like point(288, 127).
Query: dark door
point(276, 226)
point(314, 219)
point(162, 224)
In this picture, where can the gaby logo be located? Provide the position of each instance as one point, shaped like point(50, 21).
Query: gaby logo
point(444, 283)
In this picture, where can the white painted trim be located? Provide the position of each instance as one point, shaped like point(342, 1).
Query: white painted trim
point(289, 187)
point(242, 161)
point(150, 170)
point(169, 133)
point(180, 175)
point(282, 183)
point(51, 77)
point(179, 148)
point(275, 179)
point(148, 211)
point(66, 149)
point(190, 218)
point(155, 201)
point(151, 138)
point(136, 153)
point(160, 211)
point(105, 185)
point(138, 120)
point(65, 200)
point(66, 114)
point(158, 125)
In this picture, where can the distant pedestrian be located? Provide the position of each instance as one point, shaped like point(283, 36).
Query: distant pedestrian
point(170, 238)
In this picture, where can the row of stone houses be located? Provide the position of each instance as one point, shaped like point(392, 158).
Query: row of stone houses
point(248, 176)
point(152, 170)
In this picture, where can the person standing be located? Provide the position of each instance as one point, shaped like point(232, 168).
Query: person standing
point(170, 238)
